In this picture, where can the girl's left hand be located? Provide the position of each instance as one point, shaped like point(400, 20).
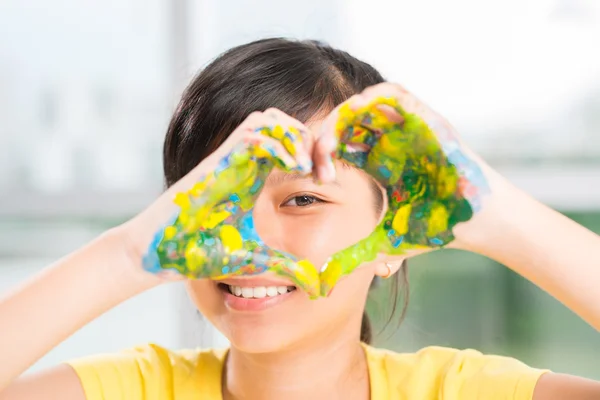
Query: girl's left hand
point(432, 181)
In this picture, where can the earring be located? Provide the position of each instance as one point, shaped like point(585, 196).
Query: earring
point(389, 271)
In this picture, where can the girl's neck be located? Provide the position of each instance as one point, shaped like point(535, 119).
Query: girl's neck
point(320, 370)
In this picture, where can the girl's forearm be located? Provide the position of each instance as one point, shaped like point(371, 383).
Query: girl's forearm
point(552, 251)
point(54, 304)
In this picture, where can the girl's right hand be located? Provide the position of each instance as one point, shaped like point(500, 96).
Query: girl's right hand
point(433, 182)
point(202, 226)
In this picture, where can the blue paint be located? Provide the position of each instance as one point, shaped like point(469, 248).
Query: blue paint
point(224, 163)
point(436, 241)
point(397, 241)
point(150, 261)
point(384, 171)
point(290, 136)
point(247, 229)
point(457, 157)
point(269, 148)
point(225, 270)
point(256, 186)
point(234, 198)
point(357, 158)
point(371, 140)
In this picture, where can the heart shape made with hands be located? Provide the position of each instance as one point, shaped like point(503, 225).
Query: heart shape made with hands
point(430, 183)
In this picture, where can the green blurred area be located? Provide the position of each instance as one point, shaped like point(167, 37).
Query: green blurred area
point(463, 300)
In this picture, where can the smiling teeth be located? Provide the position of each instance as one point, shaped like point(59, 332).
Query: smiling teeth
point(259, 292)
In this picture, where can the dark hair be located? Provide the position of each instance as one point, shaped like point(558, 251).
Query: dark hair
point(301, 78)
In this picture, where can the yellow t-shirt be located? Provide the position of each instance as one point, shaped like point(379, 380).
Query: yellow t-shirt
point(154, 373)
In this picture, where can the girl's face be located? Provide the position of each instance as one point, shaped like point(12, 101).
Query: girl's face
point(312, 221)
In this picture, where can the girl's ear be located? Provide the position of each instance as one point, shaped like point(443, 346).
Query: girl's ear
point(387, 269)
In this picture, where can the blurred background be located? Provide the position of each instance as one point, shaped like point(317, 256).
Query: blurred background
point(87, 88)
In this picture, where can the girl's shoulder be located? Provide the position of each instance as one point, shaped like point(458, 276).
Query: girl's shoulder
point(429, 373)
point(433, 371)
point(157, 372)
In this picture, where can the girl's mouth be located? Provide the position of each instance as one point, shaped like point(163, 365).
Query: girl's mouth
point(255, 292)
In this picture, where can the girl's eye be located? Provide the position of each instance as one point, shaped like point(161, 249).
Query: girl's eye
point(301, 201)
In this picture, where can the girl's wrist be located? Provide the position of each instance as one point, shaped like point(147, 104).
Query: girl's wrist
point(492, 226)
point(126, 267)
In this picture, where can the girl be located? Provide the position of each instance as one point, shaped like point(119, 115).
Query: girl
point(283, 344)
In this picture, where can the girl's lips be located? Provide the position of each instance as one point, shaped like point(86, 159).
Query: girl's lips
point(252, 304)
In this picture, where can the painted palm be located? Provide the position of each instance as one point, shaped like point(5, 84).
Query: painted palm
point(431, 185)
point(213, 234)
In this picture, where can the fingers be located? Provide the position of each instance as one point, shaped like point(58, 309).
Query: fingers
point(327, 143)
point(335, 128)
point(410, 104)
point(292, 134)
point(344, 262)
point(302, 273)
point(244, 253)
point(394, 102)
point(261, 136)
point(210, 238)
point(258, 146)
point(234, 258)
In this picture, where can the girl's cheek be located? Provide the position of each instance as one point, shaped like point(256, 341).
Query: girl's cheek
point(318, 240)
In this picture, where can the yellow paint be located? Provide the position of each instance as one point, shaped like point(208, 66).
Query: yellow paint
point(438, 220)
point(447, 182)
point(304, 272)
point(278, 132)
point(332, 273)
point(184, 218)
point(194, 223)
point(400, 221)
point(198, 189)
point(289, 145)
point(379, 119)
point(170, 232)
point(215, 218)
point(231, 238)
point(182, 200)
point(194, 255)
point(261, 152)
point(388, 146)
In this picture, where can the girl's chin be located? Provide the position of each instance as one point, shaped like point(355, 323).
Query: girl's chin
point(262, 338)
